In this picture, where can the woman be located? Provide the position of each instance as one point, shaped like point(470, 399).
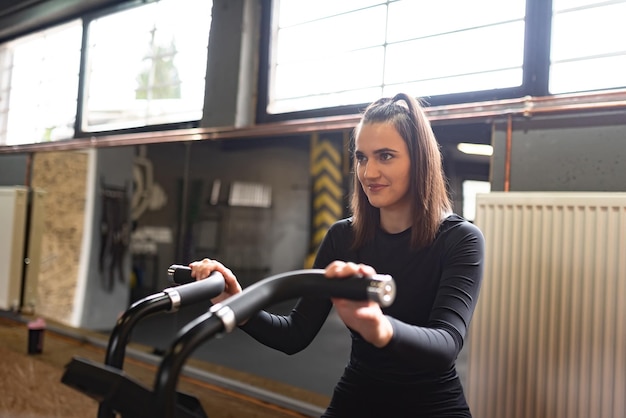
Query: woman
point(402, 360)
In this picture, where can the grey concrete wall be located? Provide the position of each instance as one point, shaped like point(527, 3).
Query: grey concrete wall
point(563, 154)
point(13, 169)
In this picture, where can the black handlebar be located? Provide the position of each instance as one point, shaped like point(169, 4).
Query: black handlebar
point(180, 274)
point(193, 291)
point(170, 299)
point(223, 317)
point(117, 392)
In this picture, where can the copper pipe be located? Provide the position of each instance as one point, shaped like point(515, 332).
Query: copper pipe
point(29, 169)
point(489, 110)
point(507, 160)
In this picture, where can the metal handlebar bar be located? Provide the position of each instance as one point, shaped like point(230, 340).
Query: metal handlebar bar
point(170, 300)
point(223, 317)
point(118, 392)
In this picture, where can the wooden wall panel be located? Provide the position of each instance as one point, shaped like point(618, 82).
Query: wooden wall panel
point(63, 176)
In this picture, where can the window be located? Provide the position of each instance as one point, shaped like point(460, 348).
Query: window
point(147, 65)
point(470, 189)
point(144, 66)
point(39, 85)
point(588, 50)
point(329, 53)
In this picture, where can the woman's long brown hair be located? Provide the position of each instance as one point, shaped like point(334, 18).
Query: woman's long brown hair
point(427, 186)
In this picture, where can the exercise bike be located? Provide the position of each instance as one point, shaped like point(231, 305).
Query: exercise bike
point(120, 393)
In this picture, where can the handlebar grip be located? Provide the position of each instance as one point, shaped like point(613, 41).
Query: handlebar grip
point(180, 274)
point(224, 316)
point(379, 288)
point(382, 289)
point(196, 291)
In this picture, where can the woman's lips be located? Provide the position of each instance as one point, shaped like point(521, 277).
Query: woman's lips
point(375, 187)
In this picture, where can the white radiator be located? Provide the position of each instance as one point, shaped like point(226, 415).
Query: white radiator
point(32, 256)
point(13, 212)
point(548, 338)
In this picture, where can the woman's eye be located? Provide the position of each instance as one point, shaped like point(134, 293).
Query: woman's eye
point(385, 156)
point(359, 158)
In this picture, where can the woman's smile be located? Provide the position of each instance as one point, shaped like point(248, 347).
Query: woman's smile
point(375, 187)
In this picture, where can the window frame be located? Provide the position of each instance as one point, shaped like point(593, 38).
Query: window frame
point(535, 67)
point(41, 19)
point(79, 132)
point(70, 70)
point(579, 61)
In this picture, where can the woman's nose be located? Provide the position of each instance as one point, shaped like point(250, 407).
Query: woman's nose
point(370, 170)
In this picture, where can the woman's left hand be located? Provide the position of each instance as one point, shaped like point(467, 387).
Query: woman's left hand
point(364, 317)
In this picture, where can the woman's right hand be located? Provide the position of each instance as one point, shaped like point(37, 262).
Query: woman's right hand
point(203, 268)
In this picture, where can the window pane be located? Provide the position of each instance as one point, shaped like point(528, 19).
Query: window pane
point(321, 77)
point(326, 100)
point(560, 5)
point(589, 32)
point(293, 12)
point(6, 63)
point(39, 86)
point(609, 72)
point(457, 84)
point(364, 45)
point(411, 19)
point(588, 50)
point(325, 38)
point(147, 65)
point(471, 188)
point(465, 53)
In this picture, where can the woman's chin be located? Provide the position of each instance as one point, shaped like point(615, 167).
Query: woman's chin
point(377, 203)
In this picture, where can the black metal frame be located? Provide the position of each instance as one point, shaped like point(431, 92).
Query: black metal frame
point(189, 291)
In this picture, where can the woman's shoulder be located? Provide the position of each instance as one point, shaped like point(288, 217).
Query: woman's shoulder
point(456, 225)
point(336, 243)
point(340, 229)
point(344, 224)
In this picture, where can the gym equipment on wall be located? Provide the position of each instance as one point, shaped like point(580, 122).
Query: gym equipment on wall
point(114, 234)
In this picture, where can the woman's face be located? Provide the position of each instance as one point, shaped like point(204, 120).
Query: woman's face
point(383, 166)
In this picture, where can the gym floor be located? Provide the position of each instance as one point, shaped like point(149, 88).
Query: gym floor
point(31, 383)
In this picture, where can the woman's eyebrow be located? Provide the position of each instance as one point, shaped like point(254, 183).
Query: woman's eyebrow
point(385, 150)
point(378, 151)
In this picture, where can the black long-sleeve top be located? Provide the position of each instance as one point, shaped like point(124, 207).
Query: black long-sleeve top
point(436, 292)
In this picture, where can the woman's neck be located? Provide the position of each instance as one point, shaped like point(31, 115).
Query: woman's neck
point(395, 221)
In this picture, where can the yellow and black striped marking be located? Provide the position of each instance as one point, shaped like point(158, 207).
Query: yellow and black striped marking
point(327, 194)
